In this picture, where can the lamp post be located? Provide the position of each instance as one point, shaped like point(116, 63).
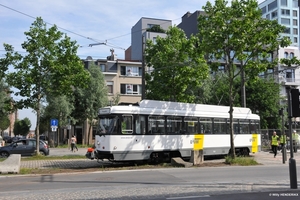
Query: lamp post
point(283, 150)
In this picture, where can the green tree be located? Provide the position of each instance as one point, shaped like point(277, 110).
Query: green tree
point(59, 107)
point(175, 71)
point(50, 66)
point(263, 95)
point(4, 123)
point(156, 28)
point(22, 127)
point(5, 106)
point(237, 34)
point(88, 102)
point(220, 86)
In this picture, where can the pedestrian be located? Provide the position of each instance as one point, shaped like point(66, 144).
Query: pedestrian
point(295, 141)
point(274, 143)
point(1, 141)
point(282, 141)
point(73, 143)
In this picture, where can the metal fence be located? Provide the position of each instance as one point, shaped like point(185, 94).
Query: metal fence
point(266, 135)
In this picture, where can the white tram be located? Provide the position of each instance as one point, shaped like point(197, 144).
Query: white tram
point(159, 130)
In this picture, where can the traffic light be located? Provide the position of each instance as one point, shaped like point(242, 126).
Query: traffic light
point(295, 103)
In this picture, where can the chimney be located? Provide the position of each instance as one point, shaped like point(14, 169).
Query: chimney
point(112, 55)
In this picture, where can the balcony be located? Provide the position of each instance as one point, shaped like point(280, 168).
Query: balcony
point(289, 81)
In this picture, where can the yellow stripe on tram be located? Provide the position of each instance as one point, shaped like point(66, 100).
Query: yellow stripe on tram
point(198, 142)
point(254, 143)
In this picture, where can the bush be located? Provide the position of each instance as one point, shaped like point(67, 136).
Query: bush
point(243, 161)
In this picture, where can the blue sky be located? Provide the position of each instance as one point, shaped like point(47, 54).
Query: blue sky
point(87, 22)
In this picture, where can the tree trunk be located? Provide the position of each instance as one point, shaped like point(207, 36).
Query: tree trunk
point(37, 129)
point(232, 148)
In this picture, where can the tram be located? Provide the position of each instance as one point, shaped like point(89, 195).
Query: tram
point(159, 130)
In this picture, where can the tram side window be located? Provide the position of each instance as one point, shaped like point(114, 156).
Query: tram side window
point(156, 125)
point(236, 127)
point(206, 125)
point(244, 126)
point(191, 125)
point(140, 124)
point(127, 124)
point(254, 126)
point(174, 125)
point(220, 126)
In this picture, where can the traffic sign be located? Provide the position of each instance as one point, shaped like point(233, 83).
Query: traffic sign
point(54, 122)
point(53, 128)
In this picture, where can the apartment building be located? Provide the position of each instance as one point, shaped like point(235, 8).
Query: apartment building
point(123, 77)
point(140, 34)
point(286, 12)
point(189, 22)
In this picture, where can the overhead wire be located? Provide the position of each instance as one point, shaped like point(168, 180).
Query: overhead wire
point(89, 38)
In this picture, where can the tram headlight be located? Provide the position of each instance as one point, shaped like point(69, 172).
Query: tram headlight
point(98, 143)
point(115, 147)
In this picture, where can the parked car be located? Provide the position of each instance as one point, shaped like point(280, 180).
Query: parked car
point(44, 138)
point(7, 139)
point(25, 147)
point(16, 138)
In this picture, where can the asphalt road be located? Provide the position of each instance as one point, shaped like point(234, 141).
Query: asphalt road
point(270, 180)
point(231, 182)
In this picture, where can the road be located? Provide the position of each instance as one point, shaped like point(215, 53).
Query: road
point(231, 182)
point(267, 181)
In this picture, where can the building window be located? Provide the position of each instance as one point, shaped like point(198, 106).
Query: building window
point(110, 86)
point(272, 5)
point(287, 30)
point(295, 40)
point(295, 31)
point(264, 10)
point(285, 12)
point(131, 89)
point(295, 3)
point(284, 2)
point(295, 14)
point(131, 71)
point(268, 16)
point(274, 14)
point(285, 21)
point(154, 40)
point(151, 25)
point(102, 67)
point(295, 22)
point(290, 75)
point(291, 55)
point(286, 54)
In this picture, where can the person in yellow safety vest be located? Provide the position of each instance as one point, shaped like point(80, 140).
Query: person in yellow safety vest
point(274, 143)
point(282, 140)
point(295, 140)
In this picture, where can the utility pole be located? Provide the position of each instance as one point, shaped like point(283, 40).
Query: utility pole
point(283, 135)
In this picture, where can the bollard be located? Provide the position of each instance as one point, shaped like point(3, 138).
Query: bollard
point(293, 173)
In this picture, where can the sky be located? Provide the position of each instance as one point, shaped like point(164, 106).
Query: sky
point(86, 22)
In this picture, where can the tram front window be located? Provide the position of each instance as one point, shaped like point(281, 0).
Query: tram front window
point(106, 125)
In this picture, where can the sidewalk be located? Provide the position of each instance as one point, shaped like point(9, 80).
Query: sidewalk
point(267, 158)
